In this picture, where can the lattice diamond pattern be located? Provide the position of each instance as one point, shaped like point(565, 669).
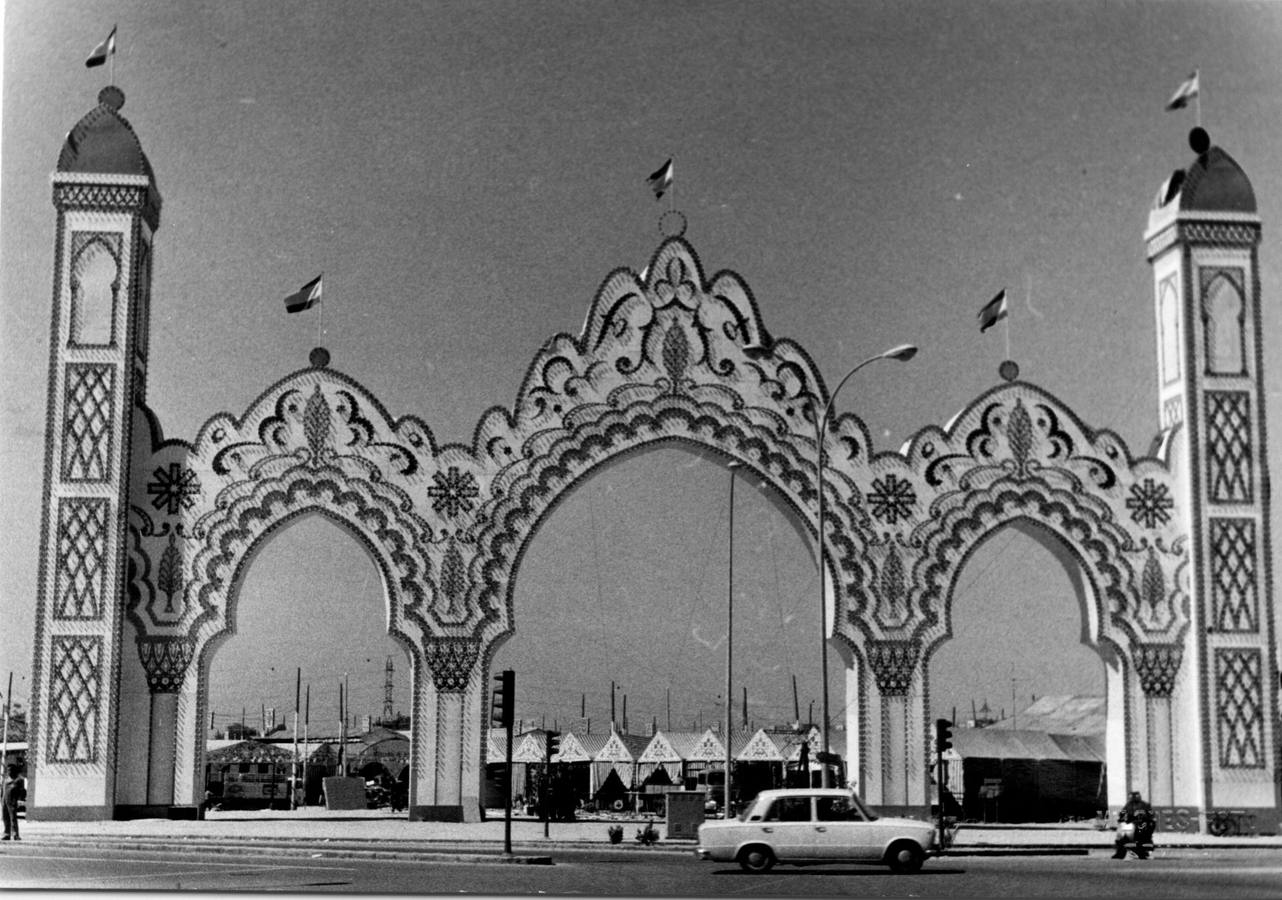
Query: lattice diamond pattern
point(1233, 592)
point(1228, 445)
point(76, 674)
point(1240, 701)
point(82, 548)
point(86, 432)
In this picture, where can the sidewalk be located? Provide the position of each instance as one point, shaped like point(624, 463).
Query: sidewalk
point(316, 824)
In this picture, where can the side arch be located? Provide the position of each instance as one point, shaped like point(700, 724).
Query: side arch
point(227, 539)
point(1097, 546)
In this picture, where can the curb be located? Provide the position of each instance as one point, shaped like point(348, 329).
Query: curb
point(526, 853)
point(313, 849)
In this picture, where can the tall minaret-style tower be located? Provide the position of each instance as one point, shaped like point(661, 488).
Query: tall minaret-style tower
point(108, 209)
point(1202, 241)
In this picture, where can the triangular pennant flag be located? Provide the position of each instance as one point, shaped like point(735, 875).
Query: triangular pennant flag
point(994, 311)
point(661, 180)
point(1184, 93)
point(306, 297)
point(103, 50)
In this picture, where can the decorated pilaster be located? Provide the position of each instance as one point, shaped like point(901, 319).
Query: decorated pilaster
point(447, 784)
point(1202, 242)
point(108, 208)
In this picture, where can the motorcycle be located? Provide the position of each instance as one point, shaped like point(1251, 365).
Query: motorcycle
point(1133, 837)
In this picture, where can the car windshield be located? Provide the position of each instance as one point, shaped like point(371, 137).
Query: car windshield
point(863, 807)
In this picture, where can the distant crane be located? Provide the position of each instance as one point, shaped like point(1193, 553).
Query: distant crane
point(388, 712)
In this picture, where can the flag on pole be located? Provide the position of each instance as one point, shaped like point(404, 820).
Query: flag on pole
point(661, 180)
point(103, 50)
point(1184, 93)
point(306, 297)
point(994, 311)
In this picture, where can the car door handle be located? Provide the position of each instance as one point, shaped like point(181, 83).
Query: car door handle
point(768, 830)
point(820, 828)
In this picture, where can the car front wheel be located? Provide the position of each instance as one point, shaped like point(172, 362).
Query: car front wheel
point(756, 859)
point(905, 857)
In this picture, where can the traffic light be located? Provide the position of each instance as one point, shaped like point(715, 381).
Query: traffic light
point(554, 744)
point(503, 699)
point(943, 735)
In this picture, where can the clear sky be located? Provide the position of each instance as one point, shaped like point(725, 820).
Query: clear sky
point(466, 174)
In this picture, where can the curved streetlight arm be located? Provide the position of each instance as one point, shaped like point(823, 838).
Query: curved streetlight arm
point(903, 353)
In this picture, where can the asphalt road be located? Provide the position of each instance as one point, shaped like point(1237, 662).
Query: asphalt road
point(640, 872)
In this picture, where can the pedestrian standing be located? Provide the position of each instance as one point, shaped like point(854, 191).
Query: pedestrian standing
point(15, 791)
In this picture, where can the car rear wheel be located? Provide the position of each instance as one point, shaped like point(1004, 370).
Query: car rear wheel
point(756, 859)
point(905, 857)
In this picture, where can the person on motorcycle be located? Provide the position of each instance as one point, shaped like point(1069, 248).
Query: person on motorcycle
point(1139, 814)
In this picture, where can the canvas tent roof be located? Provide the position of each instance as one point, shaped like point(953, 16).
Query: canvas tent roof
point(991, 743)
point(1060, 714)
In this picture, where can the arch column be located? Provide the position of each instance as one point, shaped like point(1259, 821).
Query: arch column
point(165, 661)
point(896, 735)
point(1156, 666)
point(447, 772)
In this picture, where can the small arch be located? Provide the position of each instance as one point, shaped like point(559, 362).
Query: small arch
point(95, 282)
point(263, 541)
point(246, 526)
point(1058, 545)
point(1084, 531)
point(1168, 316)
point(1223, 315)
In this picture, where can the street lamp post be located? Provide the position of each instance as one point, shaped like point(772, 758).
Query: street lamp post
point(729, 654)
point(903, 353)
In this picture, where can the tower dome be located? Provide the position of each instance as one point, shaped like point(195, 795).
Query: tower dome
point(1214, 182)
point(103, 142)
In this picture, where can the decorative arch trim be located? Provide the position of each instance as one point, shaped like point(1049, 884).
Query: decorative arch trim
point(375, 514)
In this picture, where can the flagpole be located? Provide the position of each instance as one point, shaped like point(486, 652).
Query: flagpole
point(1197, 98)
point(1006, 319)
point(320, 320)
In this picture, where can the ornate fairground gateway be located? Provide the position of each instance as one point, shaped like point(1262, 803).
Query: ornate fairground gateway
point(145, 539)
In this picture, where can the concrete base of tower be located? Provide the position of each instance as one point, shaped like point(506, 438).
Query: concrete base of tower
point(70, 813)
point(127, 811)
point(465, 812)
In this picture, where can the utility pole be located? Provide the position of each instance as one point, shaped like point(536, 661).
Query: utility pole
point(293, 782)
point(388, 712)
point(1014, 712)
point(8, 705)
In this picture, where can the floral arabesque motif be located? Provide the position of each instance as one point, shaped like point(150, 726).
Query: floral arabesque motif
point(453, 492)
point(676, 287)
point(1150, 503)
point(891, 498)
point(173, 489)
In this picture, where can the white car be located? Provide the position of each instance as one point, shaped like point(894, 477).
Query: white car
point(802, 826)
